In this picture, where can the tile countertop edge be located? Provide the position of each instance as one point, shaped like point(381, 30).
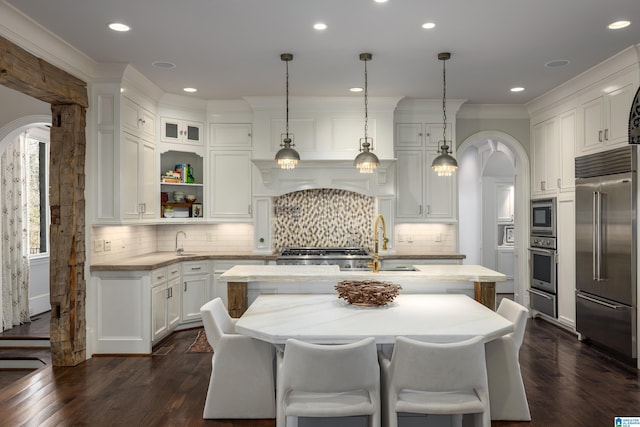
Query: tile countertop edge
point(155, 260)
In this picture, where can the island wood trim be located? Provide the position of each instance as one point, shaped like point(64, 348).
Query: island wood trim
point(485, 294)
point(237, 299)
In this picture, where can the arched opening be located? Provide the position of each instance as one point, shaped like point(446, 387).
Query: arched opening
point(474, 156)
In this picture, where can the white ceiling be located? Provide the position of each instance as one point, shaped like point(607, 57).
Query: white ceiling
point(228, 49)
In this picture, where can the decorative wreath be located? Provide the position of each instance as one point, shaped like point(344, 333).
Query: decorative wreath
point(368, 293)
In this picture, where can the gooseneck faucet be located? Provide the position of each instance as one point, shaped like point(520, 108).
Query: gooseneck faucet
point(179, 250)
point(375, 264)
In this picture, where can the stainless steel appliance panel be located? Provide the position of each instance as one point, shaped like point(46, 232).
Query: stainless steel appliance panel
point(607, 323)
point(543, 217)
point(543, 302)
point(544, 269)
point(604, 237)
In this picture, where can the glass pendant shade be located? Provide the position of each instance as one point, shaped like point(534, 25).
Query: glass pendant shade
point(287, 157)
point(366, 161)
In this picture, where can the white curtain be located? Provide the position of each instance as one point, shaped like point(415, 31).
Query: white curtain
point(14, 227)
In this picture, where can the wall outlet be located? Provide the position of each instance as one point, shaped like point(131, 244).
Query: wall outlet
point(400, 237)
point(98, 245)
point(410, 238)
point(107, 245)
point(438, 237)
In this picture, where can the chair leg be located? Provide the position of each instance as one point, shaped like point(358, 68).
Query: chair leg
point(456, 420)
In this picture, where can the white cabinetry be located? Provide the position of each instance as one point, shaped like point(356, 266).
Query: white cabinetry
point(505, 264)
point(181, 131)
point(165, 301)
point(566, 261)
point(422, 196)
point(553, 155)
point(196, 278)
point(504, 202)
point(230, 172)
point(124, 157)
point(604, 114)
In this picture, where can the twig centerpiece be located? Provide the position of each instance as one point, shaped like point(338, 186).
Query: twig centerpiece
point(370, 293)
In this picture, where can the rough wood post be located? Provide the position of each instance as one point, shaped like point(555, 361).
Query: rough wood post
point(68, 286)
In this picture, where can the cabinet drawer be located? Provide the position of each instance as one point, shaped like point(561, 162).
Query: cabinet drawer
point(159, 275)
point(173, 271)
point(195, 267)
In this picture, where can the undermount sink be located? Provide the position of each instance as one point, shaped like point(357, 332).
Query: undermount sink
point(390, 269)
point(399, 268)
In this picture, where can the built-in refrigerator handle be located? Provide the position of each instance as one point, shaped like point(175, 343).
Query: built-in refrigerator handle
point(597, 236)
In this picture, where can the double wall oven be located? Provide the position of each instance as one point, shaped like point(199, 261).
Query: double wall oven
point(544, 260)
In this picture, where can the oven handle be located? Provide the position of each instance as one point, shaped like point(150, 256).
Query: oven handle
point(549, 252)
point(540, 294)
point(596, 301)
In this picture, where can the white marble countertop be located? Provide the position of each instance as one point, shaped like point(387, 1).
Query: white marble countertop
point(325, 319)
point(314, 273)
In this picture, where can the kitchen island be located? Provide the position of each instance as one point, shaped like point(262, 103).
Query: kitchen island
point(246, 282)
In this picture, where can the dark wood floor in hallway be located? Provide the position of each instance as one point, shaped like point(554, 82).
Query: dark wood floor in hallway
point(568, 384)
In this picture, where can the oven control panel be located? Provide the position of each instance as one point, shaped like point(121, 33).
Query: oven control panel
point(543, 242)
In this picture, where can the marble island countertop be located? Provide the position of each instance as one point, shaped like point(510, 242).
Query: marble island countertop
point(314, 273)
point(155, 260)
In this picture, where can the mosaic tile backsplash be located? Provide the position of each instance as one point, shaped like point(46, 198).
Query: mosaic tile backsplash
point(322, 218)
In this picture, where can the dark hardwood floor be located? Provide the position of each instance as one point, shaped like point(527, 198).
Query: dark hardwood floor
point(568, 384)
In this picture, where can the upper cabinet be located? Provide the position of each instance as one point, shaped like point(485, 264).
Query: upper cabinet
point(181, 131)
point(230, 135)
point(124, 156)
point(604, 114)
point(422, 196)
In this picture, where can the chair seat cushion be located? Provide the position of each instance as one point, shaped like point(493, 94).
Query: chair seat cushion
point(427, 402)
point(344, 404)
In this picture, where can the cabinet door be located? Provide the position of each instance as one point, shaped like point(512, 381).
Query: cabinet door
point(592, 125)
point(192, 132)
point(173, 304)
point(231, 192)
point(618, 104)
point(148, 180)
point(159, 319)
point(231, 135)
point(409, 135)
point(552, 155)
point(567, 135)
point(410, 184)
point(147, 123)
point(129, 170)
point(504, 202)
point(169, 130)
point(545, 161)
point(129, 115)
point(194, 295)
point(440, 192)
point(566, 262)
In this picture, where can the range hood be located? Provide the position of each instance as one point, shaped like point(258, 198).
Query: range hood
point(315, 174)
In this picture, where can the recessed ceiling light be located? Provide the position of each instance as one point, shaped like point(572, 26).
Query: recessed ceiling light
point(356, 89)
point(190, 89)
point(119, 26)
point(557, 63)
point(517, 89)
point(380, 1)
point(428, 25)
point(163, 64)
point(619, 25)
point(320, 26)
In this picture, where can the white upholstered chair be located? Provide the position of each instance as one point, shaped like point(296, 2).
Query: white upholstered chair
point(508, 396)
point(328, 381)
point(430, 378)
point(242, 380)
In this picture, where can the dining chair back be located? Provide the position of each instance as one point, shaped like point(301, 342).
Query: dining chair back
point(506, 388)
point(328, 381)
point(436, 378)
point(241, 384)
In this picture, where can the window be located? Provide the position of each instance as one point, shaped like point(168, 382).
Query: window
point(37, 171)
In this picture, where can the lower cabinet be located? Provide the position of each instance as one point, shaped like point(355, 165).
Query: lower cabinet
point(165, 301)
point(196, 284)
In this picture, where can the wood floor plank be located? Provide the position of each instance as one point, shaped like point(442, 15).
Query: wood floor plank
point(568, 384)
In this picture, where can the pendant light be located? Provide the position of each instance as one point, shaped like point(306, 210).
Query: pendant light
point(287, 157)
point(366, 161)
point(444, 164)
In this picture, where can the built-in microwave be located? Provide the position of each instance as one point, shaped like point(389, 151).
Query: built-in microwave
point(543, 217)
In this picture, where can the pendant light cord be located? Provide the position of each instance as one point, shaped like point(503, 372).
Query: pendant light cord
point(444, 106)
point(287, 92)
point(366, 102)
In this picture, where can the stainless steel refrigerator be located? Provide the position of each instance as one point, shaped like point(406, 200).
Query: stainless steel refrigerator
point(606, 296)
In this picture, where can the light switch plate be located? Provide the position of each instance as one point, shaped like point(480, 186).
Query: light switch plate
point(107, 245)
point(98, 245)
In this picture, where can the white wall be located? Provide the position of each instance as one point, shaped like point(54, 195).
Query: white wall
point(469, 192)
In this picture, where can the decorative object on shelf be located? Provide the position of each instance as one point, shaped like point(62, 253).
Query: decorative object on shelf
point(287, 157)
point(190, 198)
point(168, 212)
point(508, 237)
point(368, 293)
point(171, 177)
point(366, 161)
point(444, 164)
point(196, 210)
point(178, 196)
point(164, 197)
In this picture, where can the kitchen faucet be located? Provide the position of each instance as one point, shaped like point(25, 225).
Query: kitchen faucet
point(375, 264)
point(180, 250)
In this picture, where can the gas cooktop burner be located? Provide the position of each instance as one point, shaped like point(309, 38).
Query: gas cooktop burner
point(323, 252)
point(348, 257)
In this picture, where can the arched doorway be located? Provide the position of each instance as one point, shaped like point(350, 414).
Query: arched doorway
point(470, 200)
